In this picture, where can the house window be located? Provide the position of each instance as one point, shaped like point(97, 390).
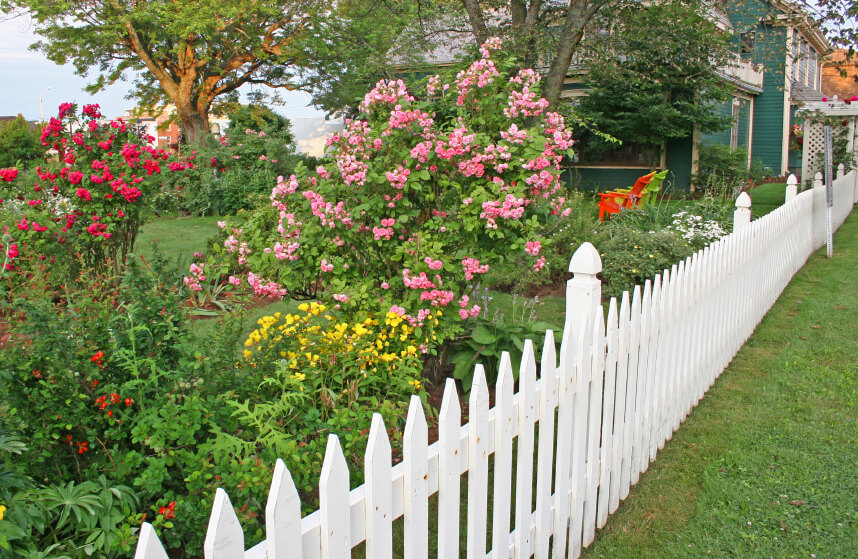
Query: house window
point(746, 42)
point(802, 63)
point(734, 130)
point(628, 155)
point(811, 69)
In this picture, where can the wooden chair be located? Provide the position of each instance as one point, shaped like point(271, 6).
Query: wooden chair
point(651, 189)
point(615, 201)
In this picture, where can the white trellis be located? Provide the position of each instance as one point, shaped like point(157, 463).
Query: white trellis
point(813, 145)
point(623, 385)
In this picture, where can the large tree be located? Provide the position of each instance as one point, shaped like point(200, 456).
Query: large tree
point(542, 30)
point(657, 75)
point(186, 53)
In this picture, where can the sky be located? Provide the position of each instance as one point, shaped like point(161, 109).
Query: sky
point(26, 76)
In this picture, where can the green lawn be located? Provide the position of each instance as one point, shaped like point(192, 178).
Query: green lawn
point(179, 237)
point(766, 197)
point(767, 464)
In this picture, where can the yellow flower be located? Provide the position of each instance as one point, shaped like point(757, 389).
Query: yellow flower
point(2, 510)
point(303, 307)
point(298, 376)
point(415, 384)
point(247, 353)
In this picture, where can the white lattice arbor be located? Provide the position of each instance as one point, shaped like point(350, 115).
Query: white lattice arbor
point(812, 161)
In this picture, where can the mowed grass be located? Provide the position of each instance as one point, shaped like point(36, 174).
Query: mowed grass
point(766, 198)
point(178, 237)
point(767, 464)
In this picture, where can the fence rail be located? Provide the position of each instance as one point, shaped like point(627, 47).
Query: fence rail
point(623, 385)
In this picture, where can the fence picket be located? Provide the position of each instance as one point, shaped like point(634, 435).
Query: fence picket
point(608, 454)
point(449, 468)
point(478, 465)
point(149, 546)
point(378, 501)
point(224, 536)
point(504, 426)
point(620, 400)
point(545, 459)
point(583, 360)
point(283, 516)
point(333, 495)
point(415, 444)
point(594, 427)
point(527, 414)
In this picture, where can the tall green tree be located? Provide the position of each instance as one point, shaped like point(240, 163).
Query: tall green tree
point(186, 53)
point(656, 73)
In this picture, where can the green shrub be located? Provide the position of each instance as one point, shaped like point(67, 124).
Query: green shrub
point(724, 170)
point(631, 256)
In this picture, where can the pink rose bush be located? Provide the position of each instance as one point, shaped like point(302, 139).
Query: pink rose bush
point(90, 195)
point(425, 191)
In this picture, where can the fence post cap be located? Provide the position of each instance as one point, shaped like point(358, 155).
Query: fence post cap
point(791, 179)
point(743, 201)
point(586, 260)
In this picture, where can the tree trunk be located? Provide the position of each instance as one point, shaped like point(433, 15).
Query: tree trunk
point(195, 126)
point(434, 365)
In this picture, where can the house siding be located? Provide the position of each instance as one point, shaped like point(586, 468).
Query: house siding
point(769, 50)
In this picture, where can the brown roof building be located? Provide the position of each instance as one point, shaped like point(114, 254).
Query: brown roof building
point(833, 80)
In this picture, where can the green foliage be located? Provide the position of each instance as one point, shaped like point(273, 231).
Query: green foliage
point(515, 276)
point(630, 256)
point(493, 334)
point(655, 76)
point(724, 171)
point(19, 143)
point(236, 174)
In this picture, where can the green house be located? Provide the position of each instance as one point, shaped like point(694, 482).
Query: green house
point(777, 67)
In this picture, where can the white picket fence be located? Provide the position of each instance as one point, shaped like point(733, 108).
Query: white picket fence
point(623, 385)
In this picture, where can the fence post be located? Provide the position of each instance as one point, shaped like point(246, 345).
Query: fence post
point(742, 215)
point(584, 290)
point(841, 171)
point(817, 180)
point(791, 188)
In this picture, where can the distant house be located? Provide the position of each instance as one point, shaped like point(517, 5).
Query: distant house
point(834, 82)
point(164, 127)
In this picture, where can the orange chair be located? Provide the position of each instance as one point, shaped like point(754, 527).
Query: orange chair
point(615, 201)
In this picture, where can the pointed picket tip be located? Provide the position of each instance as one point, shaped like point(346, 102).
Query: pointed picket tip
point(334, 458)
point(549, 353)
point(527, 369)
point(224, 537)
point(625, 305)
point(451, 410)
point(479, 389)
point(378, 444)
point(612, 315)
point(505, 377)
point(149, 546)
point(586, 260)
point(791, 179)
point(743, 201)
point(283, 515)
point(416, 421)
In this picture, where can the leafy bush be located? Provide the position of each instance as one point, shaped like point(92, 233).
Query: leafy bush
point(19, 143)
point(88, 200)
point(724, 170)
point(631, 256)
point(237, 172)
point(423, 197)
